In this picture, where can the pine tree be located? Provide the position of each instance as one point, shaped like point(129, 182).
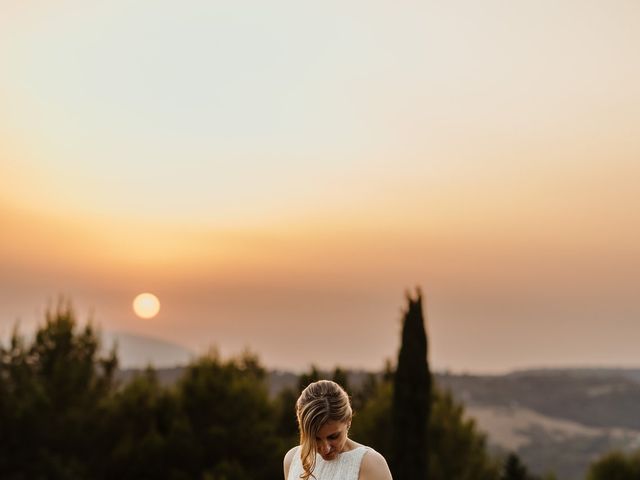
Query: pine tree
point(411, 397)
point(514, 469)
point(53, 391)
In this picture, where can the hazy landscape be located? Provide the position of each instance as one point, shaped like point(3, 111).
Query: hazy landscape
point(558, 420)
point(577, 417)
point(205, 178)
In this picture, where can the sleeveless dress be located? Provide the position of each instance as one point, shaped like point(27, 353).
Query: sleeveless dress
point(345, 466)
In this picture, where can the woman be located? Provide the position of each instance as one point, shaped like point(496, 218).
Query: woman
point(326, 452)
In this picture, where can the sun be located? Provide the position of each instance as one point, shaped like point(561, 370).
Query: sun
point(146, 305)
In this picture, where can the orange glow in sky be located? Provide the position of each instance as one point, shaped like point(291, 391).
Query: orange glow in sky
point(278, 175)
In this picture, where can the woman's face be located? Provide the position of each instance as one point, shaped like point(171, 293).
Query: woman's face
point(331, 439)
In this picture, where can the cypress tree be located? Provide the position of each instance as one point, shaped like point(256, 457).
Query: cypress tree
point(411, 397)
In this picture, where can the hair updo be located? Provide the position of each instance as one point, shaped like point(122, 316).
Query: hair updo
point(321, 402)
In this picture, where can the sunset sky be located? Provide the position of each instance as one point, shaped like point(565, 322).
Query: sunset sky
point(279, 173)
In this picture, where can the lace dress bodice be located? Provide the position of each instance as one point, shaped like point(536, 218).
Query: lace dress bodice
point(345, 467)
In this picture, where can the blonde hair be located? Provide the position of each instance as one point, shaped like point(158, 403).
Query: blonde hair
point(321, 402)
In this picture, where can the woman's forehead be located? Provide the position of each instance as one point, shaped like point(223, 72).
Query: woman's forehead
point(332, 426)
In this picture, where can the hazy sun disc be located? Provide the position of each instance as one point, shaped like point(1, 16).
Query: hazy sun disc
point(146, 305)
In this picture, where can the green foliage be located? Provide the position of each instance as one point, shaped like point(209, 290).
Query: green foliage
point(340, 377)
point(63, 417)
point(616, 466)
point(514, 469)
point(411, 394)
point(231, 418)
point(144, 432)
point(286, 423)
point(52, 393)
point(367, 390)
point(372, 422)
point(306, 378)
point(457, 449)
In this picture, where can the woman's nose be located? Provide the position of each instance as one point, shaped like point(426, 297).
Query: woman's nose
point(325, 447)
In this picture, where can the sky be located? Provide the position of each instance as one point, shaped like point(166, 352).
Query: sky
point(280, 173)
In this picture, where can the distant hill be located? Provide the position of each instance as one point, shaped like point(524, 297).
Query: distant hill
point(598, 398)
point(136, 351)
point(557, 420)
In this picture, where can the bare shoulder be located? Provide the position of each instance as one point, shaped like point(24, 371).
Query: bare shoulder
point(288, 458)
point(374, 467)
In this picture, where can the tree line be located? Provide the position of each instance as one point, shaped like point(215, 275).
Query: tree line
point(64, 416)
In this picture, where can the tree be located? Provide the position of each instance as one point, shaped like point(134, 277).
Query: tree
point(457, 450)
point(286, 422)
point(365, 391)
point(232, 427)
point(514, 469)
point(62, 416)
point(53, 392)
point(145, 433)
point(616, 466)
point(340, 377)
point(372, 421)
point(309, 377)
point(411, 398)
